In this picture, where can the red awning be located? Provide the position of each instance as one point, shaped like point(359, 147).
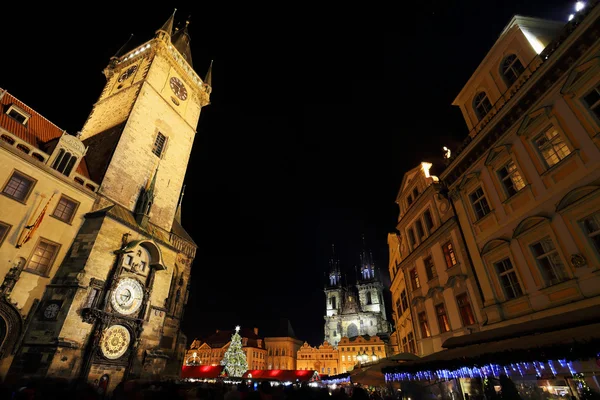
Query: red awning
point(283, 375)
point(201, 371)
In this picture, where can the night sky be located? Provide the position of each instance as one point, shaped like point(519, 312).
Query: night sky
point(316, 114)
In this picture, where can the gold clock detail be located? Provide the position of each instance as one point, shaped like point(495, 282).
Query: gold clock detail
point(115, 341)
point(178, 88)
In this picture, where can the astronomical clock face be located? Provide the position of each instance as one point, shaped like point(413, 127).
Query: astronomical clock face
point(125, 75)
point(127, 296)
point(51, 311)
point(178, 88)
point(115, 341)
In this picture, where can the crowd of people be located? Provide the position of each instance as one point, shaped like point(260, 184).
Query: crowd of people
point(51, 389)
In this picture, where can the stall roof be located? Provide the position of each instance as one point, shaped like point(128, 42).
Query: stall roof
point(201, 371)
point(286, 375)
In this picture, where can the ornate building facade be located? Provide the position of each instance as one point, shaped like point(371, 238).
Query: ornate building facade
point(356, 310)
point(108, 289)
point(434, 290)
point(324, 358)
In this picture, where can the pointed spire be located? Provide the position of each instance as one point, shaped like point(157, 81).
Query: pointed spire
point(144, 204)
point(181, 41)
point(178, 211)
point(208, 77)
point(367, 267)
point(335, 278)
point(167, 26)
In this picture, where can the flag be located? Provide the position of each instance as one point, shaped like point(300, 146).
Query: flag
point(33, 227)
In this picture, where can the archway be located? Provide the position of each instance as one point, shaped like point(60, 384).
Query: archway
point(352, 330)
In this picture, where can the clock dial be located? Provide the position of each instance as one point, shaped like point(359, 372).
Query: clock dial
point(128, 296)
point(178, 88)
point(51, 311)
point(130, 71)
point(115, 341)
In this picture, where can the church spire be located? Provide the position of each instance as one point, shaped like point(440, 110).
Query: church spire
point(178, 211)
point(167, 29)
point(335, 277)
point(367, 266)
point(181, 41)
point(208, 77)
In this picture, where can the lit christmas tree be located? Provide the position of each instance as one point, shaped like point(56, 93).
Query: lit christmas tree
point(234, 359)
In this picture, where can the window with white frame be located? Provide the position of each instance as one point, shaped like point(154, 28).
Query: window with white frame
point(592, 101)
point(552, 146)
point(548, 260)
point(508, 279)
point(511, 178)
point(591, 227)
point(18, 114)
point(511, 69)
point(481, 105)
point(479, 203)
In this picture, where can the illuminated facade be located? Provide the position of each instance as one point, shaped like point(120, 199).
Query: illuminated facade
point(354, 310)
point(212, 350)
point(433, 288)
point(282, 347)
point(360, 350)
point(104, 278)
point(324, 359)
point(526, 182)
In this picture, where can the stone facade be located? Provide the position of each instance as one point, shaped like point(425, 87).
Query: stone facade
point(324, 359)
point(111, 303)
point(282, 352)
point(370, 348)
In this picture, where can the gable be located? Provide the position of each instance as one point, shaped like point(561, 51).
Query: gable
point(587, 68)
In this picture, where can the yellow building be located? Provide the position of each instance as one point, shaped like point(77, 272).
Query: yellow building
point(282, 347)
point(324, 359)
point(213, 348)
point(360, 350)
point(44, 178)
point(526, 182)
point(433, 286)
point(403, 339)
point(110, 263)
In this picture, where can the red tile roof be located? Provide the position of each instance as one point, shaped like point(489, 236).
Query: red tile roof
point(38, 129)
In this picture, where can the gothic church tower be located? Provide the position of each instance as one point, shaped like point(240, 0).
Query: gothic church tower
point(114, 307)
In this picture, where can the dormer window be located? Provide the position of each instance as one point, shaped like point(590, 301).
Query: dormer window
point(64, 162)
point(511, 69)
point(67, 154)
point(481, 105)
point(17, 114)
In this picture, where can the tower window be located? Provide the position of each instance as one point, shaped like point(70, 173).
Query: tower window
point(159, 144)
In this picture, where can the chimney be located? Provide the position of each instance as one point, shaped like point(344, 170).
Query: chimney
point(256, 331)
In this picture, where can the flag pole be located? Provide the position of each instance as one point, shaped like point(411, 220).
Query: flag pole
point(29, 222)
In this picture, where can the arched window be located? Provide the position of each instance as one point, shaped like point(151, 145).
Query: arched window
point(70, 165)
point(482, 105)
point(511, 68)
point(58, 158)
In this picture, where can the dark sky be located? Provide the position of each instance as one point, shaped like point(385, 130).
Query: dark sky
point(316, 114)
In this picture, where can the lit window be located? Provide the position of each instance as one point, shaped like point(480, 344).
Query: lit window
point(442, 318)
point(549, 261)
point(511, 178)
point(552, 146)
point(65, 209)
point(449, 255)
point(43, 256)
point(511, 69)
point(592, 100)
point(424, 325)
point(19, 186)
point(508, 278)
point(591, 227)
point(159, 144)
point(464, 307)
point(4, 228)
point(414, 279)
point(482, 105)
point(479, 202)
point(428, 220)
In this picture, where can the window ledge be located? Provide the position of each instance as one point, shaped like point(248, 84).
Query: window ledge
point(62, 220)
point(24, 202)
point(560, 163)
point(484, 217)
point(559, 285)
point(34, 272)
point(514, 196)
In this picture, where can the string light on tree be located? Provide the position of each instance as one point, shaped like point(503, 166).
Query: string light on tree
point(234, 358)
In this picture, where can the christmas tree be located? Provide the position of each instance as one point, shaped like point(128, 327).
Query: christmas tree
point(234, 359)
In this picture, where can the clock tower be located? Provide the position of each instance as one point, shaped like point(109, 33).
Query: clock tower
point(114, 307)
